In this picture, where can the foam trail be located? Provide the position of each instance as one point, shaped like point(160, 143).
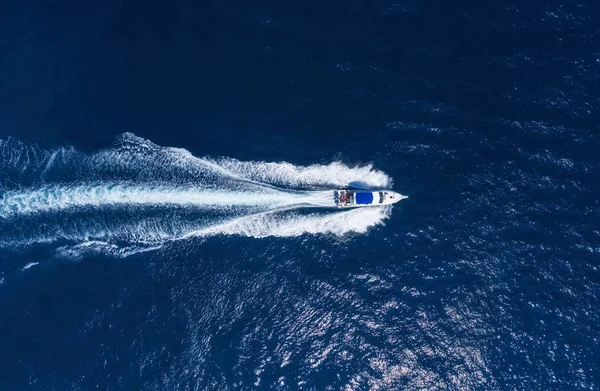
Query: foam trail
point(137, 195)
point(281, 224)
point(334, 175)
point(139, 160)
point(57, 198)
point(293, 225)
point(324, 199)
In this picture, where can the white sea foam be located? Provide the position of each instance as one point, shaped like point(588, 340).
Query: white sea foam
point(107, 196)
point(260, 225)
point(284, 174)
point(30, 265)
point(60, 198)
point(292, 225)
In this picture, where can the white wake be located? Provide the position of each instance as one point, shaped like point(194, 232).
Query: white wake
point(140, 193)
point(61, 198)
point(292, 225)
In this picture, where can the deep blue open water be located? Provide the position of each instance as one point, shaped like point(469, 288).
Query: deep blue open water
point(162, 220)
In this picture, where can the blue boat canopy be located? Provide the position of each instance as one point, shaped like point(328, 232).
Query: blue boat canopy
point(364, 198)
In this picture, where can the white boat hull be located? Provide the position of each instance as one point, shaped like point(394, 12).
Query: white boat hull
point(361, 198)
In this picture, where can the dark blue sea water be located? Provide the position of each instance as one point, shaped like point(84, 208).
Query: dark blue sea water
point(162, 224)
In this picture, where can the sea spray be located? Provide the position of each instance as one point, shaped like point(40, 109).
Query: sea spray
point(137, 193)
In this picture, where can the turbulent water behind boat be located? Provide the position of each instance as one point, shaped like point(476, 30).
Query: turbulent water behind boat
point(140, 193)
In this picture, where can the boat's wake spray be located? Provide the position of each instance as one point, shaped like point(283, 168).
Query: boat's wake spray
point(143, 194)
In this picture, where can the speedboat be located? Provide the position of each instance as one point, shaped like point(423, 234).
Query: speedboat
point(357, 198)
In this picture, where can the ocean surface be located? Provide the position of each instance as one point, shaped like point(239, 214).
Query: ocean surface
point(164, 217)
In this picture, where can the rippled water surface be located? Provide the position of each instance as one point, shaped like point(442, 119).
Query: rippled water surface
point(165, 217)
